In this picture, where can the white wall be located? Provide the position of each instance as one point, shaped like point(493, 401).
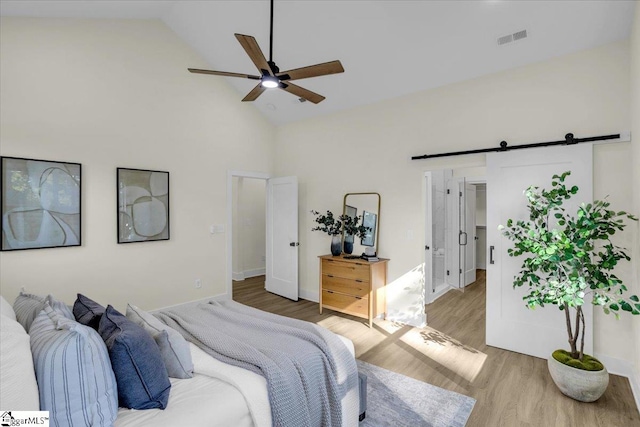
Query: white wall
point(109, 93)
point(635, 134)
point(249, 227)
point(369, 149)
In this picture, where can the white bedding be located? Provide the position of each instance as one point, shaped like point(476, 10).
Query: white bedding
point(218, 395)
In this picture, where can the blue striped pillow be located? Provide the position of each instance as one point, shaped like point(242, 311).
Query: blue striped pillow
point(75, 379)
point(27, 307)
point(60, 306)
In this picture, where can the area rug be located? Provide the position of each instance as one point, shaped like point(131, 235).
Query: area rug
point(395, 400)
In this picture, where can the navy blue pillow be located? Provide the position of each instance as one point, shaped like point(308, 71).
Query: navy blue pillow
point(143, 382)
point(87, 311)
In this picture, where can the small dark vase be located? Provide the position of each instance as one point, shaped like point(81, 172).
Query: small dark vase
point(336, 245)
point(348, 247)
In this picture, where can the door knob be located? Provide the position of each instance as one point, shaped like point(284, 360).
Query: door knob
point(294, 244)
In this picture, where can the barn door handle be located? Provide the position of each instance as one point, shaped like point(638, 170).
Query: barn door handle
point(491, 248)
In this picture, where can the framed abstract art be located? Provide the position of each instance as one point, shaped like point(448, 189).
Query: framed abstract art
point(143, 205)
point(41, 203)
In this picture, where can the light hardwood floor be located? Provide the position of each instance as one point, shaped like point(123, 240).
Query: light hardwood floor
point(511, 389)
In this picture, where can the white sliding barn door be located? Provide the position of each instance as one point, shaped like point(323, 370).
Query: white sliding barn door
point(510, 324)
point(282, 237)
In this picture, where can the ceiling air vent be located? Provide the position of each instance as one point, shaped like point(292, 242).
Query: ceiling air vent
point(505, 39)
point(519, 35)
point(512, 37)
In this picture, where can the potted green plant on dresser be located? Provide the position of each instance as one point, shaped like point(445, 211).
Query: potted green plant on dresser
point(569, 261)
point(352, 226)
point(332, 226)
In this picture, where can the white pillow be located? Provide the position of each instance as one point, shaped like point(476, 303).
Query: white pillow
point(6, 309)
point(18, 387)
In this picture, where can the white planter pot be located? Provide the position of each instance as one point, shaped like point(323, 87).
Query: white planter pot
point(578, 384)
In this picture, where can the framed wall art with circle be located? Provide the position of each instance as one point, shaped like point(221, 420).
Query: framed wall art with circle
point(143, 205)
point(41, 203)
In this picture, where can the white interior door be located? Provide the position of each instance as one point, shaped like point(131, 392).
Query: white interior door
point(428, 239)
point(452, 232)
point(457, 235)
point(510, 324)
point(468, 234)
point(282, 237)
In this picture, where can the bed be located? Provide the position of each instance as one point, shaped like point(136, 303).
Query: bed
point(218, 394)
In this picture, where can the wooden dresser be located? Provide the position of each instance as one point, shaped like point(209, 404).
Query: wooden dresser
point(353, 286)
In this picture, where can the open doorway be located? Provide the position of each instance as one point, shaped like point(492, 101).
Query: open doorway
point(455, 232)
point(274, 252)
point(249, 228)
point(245, 240)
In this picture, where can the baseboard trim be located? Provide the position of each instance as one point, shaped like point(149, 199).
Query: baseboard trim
point(624, 369)
point(241, 275)
point(309, 295)
point(439, 293)
point(255, 272)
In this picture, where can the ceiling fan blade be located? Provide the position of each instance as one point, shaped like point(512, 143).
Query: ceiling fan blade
point(317, 70)
point(255, 93)
point(302, 92)
point(222, 73)
point(250, 46)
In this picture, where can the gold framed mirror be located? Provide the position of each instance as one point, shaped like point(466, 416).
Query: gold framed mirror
point(367, 207)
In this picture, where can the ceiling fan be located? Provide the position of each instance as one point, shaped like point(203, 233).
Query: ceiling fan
point(270, 75)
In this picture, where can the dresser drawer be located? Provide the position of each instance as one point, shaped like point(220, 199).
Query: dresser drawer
point(345, 286)
point(346, 270)
point(346, 303)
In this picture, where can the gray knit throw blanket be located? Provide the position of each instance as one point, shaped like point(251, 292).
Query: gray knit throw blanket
point(307, 368)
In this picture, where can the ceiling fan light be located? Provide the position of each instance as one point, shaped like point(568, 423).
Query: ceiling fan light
point(270, 82)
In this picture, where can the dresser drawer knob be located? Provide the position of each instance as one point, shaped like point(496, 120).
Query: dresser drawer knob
point(330, 292)
point(358, 280)
point(329, 275)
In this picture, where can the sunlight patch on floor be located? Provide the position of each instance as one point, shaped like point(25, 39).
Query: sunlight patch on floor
point(363, 338)
point(465, 361)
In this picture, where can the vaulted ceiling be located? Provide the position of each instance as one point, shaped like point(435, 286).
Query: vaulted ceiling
point(388, 48)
